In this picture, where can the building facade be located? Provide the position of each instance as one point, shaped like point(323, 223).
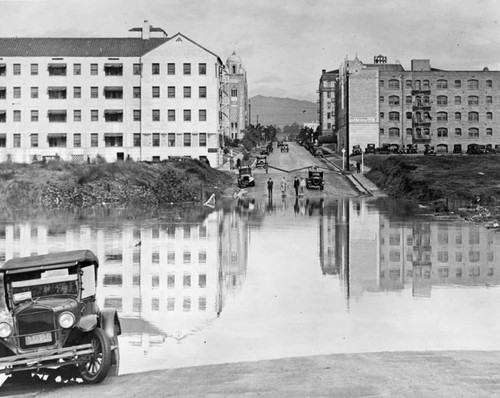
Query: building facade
point(326, 101)
point(383, 103)
point(149, 98)
point(238, 96)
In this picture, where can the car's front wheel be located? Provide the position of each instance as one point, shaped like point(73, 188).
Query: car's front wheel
point(97, 367)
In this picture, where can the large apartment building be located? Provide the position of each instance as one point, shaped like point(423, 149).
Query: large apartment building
point(382, 103)
point(326, 101)
point(145, 97)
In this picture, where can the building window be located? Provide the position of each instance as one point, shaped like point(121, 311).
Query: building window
point(409, 131)
point(409, 100)
point(187, 92)
point(171, 139)
point(3, 116)
point(442, 132)
point(393, 84)
point(203, 92)
point(416, 85)
point(156, 115)
point(137, 69)
point(381, 131)
point(171, 92)
point(458, 83)
point(94, 70)
point(17, 140)
point(34, 69)
point(381, 115)
point(17, 92)
point(489, 116)
point(489, 100)
point(137, 139)
point(113, 115)
point(234, 92)
point(473, 100)
point(187, 139)
point(489, 83)
point(77, 92)
point(489, 131)
point(458, 100)
point(77, 140)
point(57, 92)
point(94, 92)
point(472, 84)
point(442, 100)
point(94, 140)
point(137, 115)
point(34, 116)
point(393, 132)
point(394, 116)
point(202, 69)
point(381, 99)
point(34, 92)
point(156, 92)
point(94, 115)
point(202, 139)
point(473, 117)
point(425, 85)
point(442, 117)
point(137, 92)
point(17, 116)
point(202, 115)
point(77, 69)
point(113, 69)
point(409, 84)
point(156, 139)
point(381, 83)
point(3, 93)
point(57, 140)
point(34, 140)
point(113, 92)
point(170, 69)
point(77, 115)
point(442, 84)
point(17, 69)
point(171, 115)
point(458, 116)
point(187, 115)
point(393, 100)
point(458, 131)
point(187, 68)
point(473, 132)
point(155, 69)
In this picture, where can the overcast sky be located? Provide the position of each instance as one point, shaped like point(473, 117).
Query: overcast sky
point(284, 44)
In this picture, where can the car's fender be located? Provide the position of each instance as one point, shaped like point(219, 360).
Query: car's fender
point(87, 323)
point(110, 323)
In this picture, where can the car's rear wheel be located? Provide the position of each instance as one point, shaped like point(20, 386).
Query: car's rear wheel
point(97, 367)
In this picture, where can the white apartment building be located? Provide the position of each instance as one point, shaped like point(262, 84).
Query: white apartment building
point(148, 97)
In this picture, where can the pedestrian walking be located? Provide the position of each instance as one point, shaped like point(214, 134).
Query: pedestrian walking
point(302, 186)
point(238, 163)
point(283, 186)
point(270, 187)
point(358, 167)
point(296, 185)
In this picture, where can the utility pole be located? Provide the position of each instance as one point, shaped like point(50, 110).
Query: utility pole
point(249, 112)
point(347, 119)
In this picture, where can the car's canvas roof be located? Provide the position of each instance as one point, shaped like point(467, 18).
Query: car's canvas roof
point(47, 261)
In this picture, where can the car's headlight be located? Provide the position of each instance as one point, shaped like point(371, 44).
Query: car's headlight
point(66, 320)
point(5, 330)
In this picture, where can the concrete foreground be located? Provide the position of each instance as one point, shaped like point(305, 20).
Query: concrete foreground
point(402, 374)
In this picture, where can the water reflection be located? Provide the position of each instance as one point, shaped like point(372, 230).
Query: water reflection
point(262, 279)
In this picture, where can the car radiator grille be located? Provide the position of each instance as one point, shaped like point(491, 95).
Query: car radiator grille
point(35, 320)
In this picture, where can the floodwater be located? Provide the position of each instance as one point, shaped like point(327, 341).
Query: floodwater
point(252, 280)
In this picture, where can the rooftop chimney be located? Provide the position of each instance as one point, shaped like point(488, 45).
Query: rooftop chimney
point(146, 33)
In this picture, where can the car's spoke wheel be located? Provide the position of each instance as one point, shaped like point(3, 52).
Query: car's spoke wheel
point(96, 368)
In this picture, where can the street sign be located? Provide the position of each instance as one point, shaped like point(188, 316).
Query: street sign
point(343, 150)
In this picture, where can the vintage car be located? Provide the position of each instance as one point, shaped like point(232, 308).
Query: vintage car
point(261, 162)
point(315, 179)
point(356, 150)
point(264, 151)
point(284, 148)
point(370, 148)
point(316, 151)
point(245, 178)
point(51, 320)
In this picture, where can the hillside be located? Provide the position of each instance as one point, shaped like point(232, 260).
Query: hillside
point(282, 111)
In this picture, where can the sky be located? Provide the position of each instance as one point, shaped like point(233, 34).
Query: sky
point(284, 44)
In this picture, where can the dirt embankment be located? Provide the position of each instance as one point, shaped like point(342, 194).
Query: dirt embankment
point(60, 184)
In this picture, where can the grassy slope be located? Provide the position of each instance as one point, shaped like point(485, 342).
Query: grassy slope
point(428, 178)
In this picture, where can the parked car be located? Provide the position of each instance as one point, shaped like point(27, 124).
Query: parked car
point(317, 151)
point(261, 162)
point(457, 149)
point(264, 152)
point(315, 179)
point(370, 148)
point(284, 148)
point(476, 149)
point(429, 150)
point(384, 149)
point(53, 320)
point(356, 150)
point(245, 177)
point(411, 148)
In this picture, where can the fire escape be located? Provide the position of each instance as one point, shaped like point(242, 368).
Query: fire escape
point(224, 104)
point(421, 118)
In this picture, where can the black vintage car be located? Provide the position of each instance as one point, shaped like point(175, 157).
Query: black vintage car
point(52, 321)
point(245, 178)
point(370, 148)
point(356, 150)
point(261, 162)
point(315, 179)
point(284, 148)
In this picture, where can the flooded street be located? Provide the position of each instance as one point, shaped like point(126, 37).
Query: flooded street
point(252, 280)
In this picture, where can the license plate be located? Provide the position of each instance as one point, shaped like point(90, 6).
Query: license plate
point(38, 338)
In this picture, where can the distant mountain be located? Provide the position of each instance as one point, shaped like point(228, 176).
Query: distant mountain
point(282, 111)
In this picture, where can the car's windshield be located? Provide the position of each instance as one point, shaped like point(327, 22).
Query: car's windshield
point(45, 284)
